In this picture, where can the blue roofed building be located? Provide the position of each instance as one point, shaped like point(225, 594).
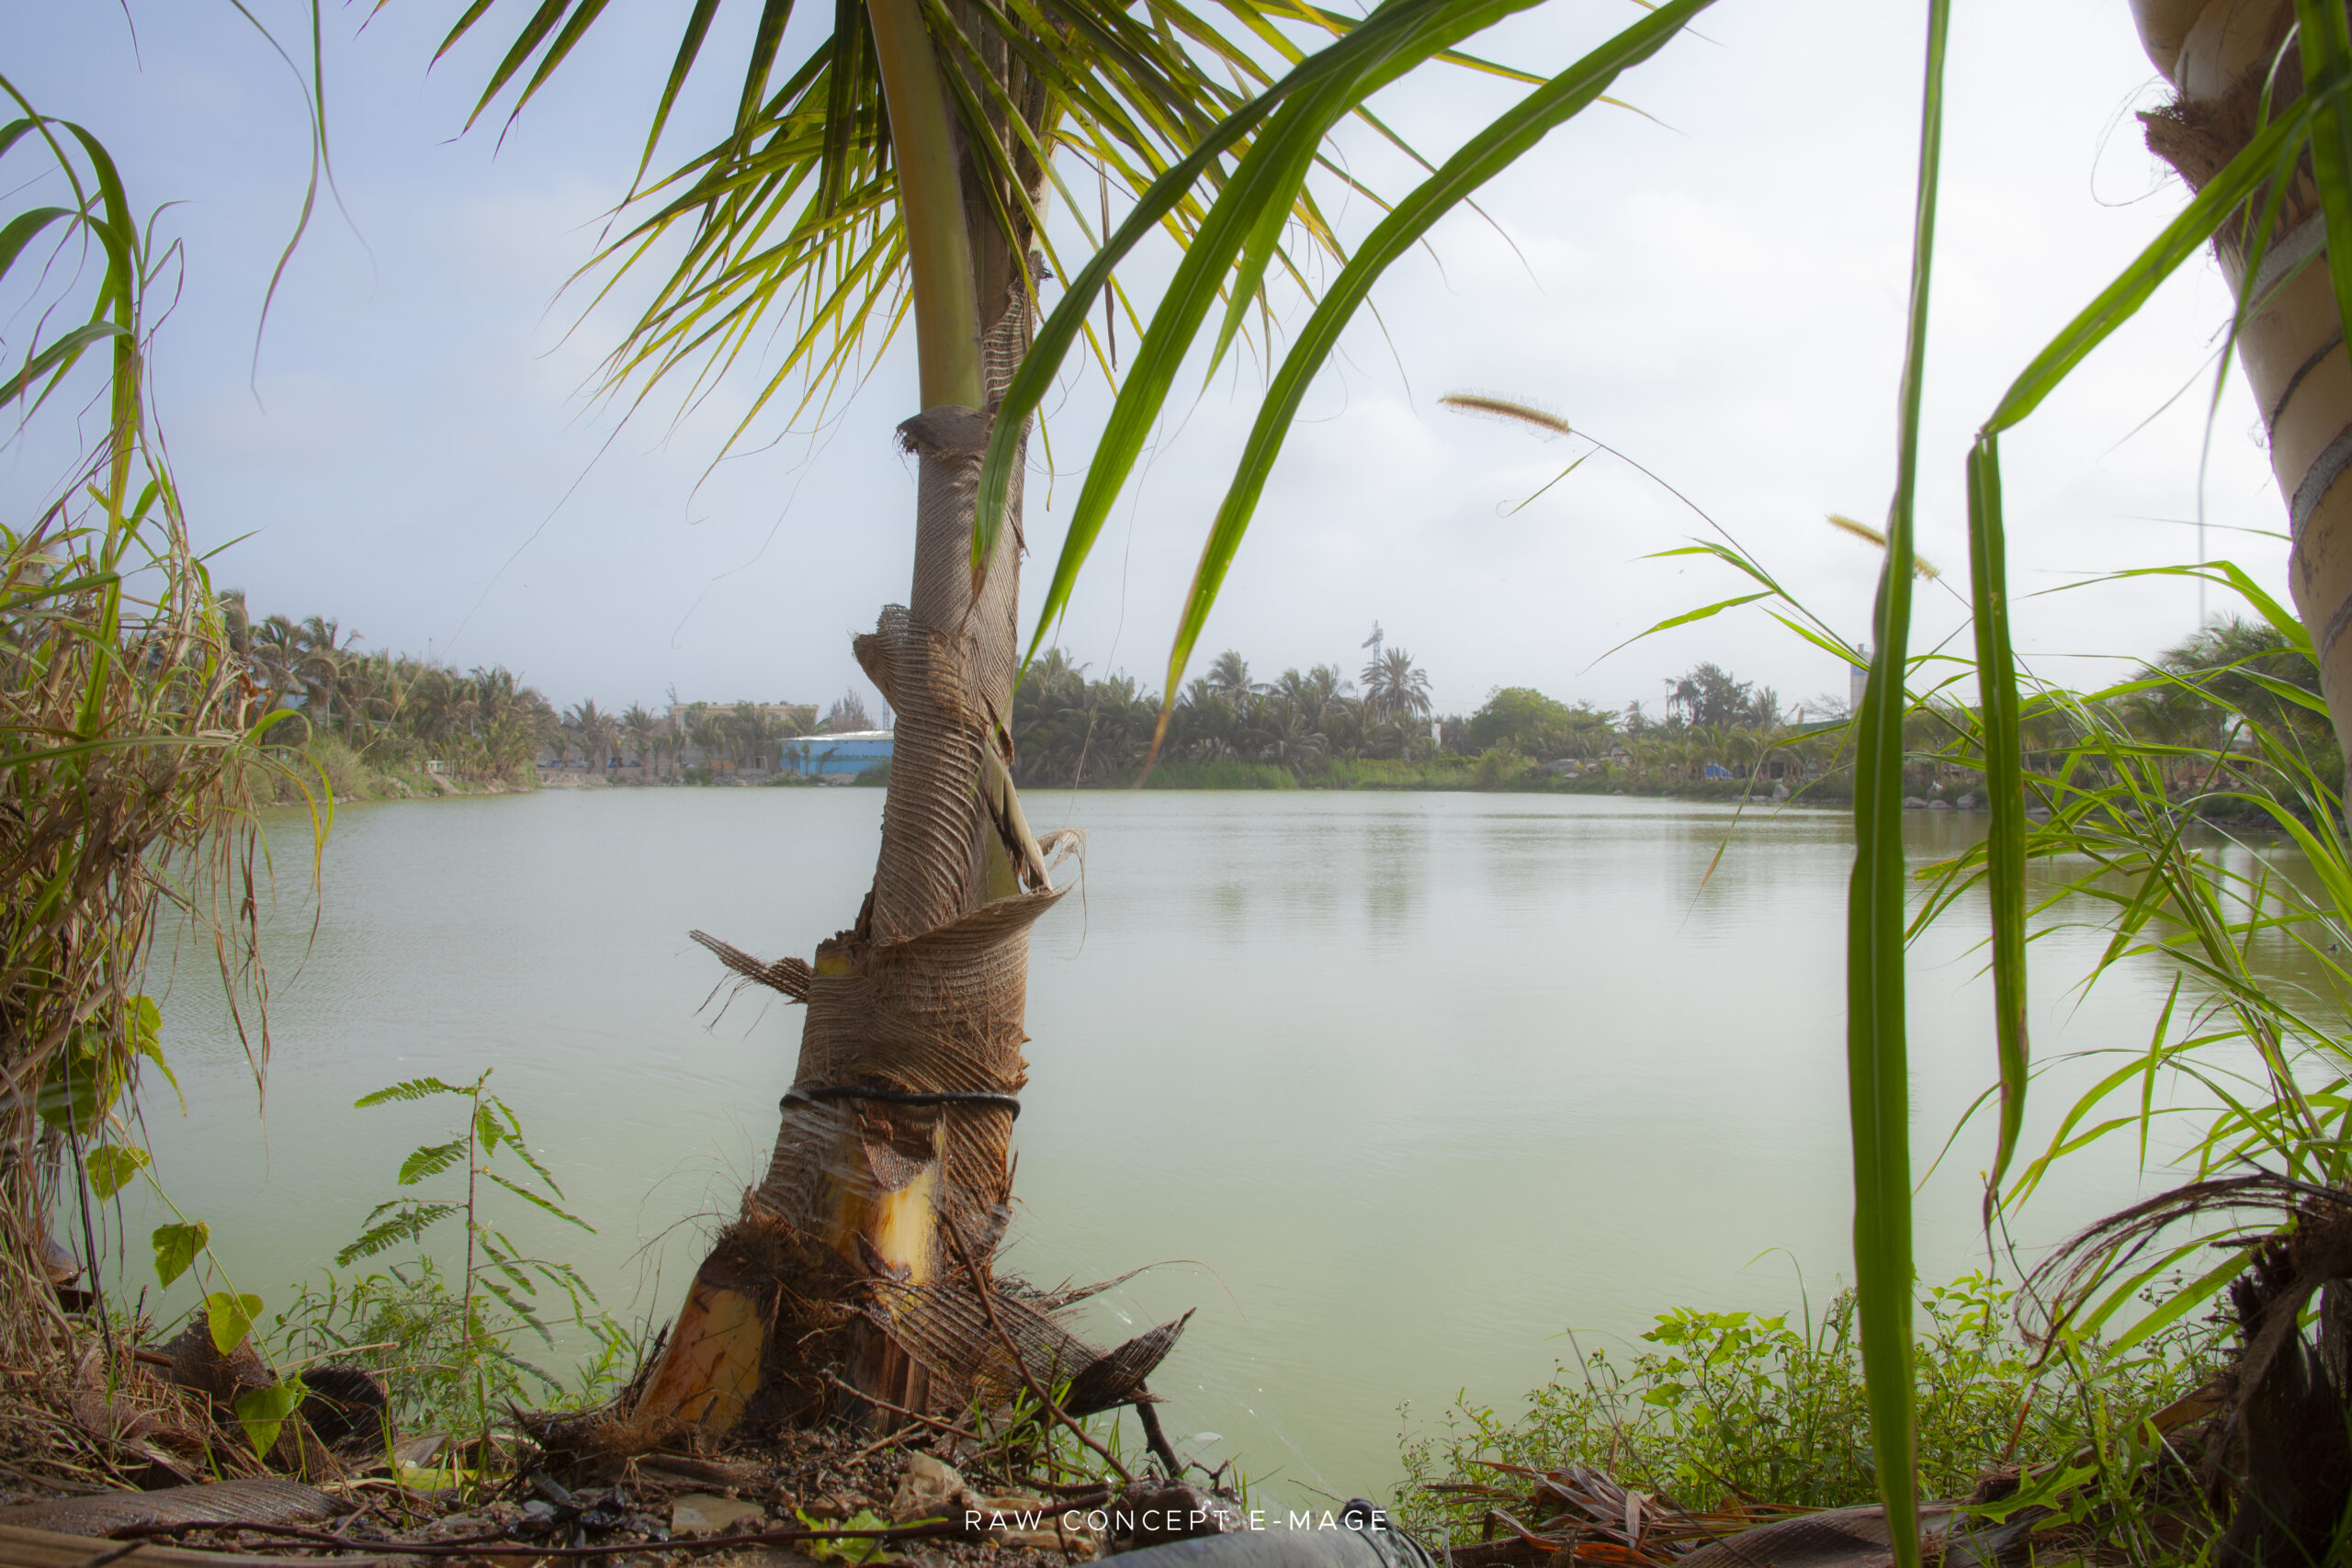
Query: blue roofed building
point(852, 751)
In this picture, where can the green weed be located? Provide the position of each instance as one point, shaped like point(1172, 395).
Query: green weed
point(1737, 1406)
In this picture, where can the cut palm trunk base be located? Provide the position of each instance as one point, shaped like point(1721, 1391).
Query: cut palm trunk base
point(843, 1271)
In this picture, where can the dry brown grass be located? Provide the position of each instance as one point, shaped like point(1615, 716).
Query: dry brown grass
point(124, 718)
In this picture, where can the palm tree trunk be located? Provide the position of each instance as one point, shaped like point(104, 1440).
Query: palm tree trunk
point(892, 1164)
point(2217, 53)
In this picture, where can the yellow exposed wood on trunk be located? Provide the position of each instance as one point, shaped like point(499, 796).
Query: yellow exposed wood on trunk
point(904, 1225)
point(712, 1363)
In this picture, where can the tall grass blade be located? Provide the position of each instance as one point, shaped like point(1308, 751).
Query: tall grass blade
point(1996, 683)
point(2262, 158)
point(1877, 1064)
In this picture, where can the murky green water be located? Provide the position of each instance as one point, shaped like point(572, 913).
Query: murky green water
point(1397, 1090)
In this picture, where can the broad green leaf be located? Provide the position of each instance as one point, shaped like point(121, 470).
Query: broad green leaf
point(111, 1167)
point(81, 1085)
point(1996, 679)
point(264, 1412)
point(59, 356)
point(2182, 1301)
point(229, 1318)
point(21, 230)
point(176, 1247)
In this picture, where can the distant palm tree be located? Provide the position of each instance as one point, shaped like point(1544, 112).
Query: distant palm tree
point(1393, 688)
point(323, 652)
point(1683, 697)
point(594, 732)
point(1230, 675)
point(644, 733)
point(1292, 737)
point(756, 734)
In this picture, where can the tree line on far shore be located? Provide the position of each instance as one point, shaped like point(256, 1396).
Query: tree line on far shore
point(1069, 730)
point(1318, 727)
point(398, 713)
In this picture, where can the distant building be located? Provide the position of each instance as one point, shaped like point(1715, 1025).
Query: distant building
point(851, 752)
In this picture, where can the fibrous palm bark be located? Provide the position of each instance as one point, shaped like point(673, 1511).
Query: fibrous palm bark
point(2235, 65)
point(2227, 59)
point(892, 1164)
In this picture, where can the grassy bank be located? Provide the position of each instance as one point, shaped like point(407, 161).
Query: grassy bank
point(1490, 771)
point(325, 764)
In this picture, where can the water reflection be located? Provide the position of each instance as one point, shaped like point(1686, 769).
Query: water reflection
point(1414, 1084)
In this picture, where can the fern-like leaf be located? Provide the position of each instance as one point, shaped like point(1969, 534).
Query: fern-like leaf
point(414, 1088)
point(411, 1222)
point(528, 1196)
point(431, 1161)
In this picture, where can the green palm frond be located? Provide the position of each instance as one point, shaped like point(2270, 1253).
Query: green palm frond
point(1279, 133)
point(787, 231)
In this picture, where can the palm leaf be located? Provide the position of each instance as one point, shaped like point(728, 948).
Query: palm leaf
point(2261, 160)
point(791, 217)
point(1280, 128)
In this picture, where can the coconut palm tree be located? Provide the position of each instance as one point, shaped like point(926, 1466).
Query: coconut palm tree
point(644, 734)
point(1228, 675)
point(1394, 687)
point(593, 732)
point(903, 167)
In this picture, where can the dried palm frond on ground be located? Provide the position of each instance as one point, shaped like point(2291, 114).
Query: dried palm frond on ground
point(830, 1493)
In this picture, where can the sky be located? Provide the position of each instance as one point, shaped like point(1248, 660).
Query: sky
point(1710, 280)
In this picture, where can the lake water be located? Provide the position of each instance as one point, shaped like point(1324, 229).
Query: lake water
point(1397, 1090)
